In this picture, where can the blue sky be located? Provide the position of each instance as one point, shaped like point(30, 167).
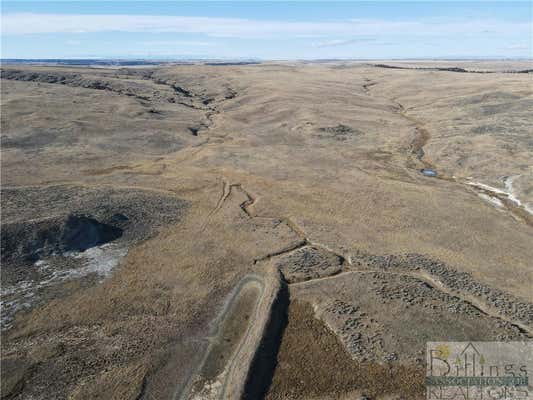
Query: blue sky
point(266, 30)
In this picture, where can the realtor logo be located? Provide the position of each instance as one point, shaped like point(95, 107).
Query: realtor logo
point(479, 370)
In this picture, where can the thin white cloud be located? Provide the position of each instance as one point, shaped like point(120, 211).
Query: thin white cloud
point(518, 46)
point(34, 23)
point(169, 43)
point(341, 42)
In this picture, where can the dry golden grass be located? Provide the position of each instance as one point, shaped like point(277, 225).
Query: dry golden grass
point(273, 130)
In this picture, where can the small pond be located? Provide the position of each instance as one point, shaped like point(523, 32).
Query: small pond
point(428, 172)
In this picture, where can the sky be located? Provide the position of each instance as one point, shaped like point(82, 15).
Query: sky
point(266, 30)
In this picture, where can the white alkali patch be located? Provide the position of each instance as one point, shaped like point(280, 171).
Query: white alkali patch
point(100, 260)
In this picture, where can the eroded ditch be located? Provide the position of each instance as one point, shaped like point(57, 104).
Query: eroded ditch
point(229, 331)
point(504, 198)
point(35, 240)
point(418, 160)
point(308, 263)
point(240, 355)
